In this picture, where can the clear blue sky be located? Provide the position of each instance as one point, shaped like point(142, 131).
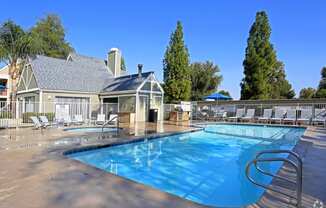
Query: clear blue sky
point(214, 30)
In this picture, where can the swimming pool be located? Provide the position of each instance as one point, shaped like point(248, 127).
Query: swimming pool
point(207, 166)
point(91, 129)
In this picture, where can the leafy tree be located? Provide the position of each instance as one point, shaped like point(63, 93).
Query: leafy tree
point(307, 93)
point(224, 92)
point(15, 46)
point(51, 35)
point(281, 88)
point(177, 83)
point(205, 79)
point(123, 64)
point(321, 91)
point(264, 74)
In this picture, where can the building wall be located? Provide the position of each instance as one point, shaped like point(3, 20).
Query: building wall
point(48, 99)
point(4, 74)
point(22, 101)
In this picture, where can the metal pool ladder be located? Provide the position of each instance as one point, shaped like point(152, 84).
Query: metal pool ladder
point(296, 165)
point(109, 121)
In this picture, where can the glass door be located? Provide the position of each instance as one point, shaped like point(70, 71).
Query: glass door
point(143, 108)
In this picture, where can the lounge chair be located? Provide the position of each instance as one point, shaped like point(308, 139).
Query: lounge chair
point(67, 120)
point(36, 122)
point(221, 115)
point(238, 115)
point(78, 119)
point(291, 116)
point(266, 116)
point(44, 121)
point(202, 115)
point(305, 117)
point(250, 115)
point(319, 117)
point(278, 116)
point(100, 119)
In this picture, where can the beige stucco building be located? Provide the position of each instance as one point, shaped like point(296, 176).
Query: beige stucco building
point(4, 85)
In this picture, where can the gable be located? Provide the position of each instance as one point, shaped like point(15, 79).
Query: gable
point(81, 75)
point(27, 80)
point(151, 84)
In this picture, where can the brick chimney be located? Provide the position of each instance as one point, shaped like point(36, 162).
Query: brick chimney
point(114, 61)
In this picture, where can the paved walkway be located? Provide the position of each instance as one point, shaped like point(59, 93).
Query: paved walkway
point(34, 173)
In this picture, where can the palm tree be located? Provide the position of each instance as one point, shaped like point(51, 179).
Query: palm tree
point(15, 46)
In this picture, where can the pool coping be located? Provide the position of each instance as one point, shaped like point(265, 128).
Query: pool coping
point(64, 153)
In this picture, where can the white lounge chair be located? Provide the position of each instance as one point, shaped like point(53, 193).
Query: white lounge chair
point(67, 120)
point(250, 115)
point(239, 114)
point(291, 116)
point(305, 117)
point(44, 120)
point(320, 116)
point(100, 119)
point(266, 116)
point(78, 119)
point(221, 115)
point(278, 116)
point(36, 122)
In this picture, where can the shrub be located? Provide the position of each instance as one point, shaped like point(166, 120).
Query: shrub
point(5, 115)
point(26, 116)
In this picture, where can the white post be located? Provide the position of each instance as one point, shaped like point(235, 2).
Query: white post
point(40, 110)
point(137, 107)
point(162, 108)
point(101, 103)
point(17, 109)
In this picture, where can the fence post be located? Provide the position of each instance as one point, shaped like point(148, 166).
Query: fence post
point(17, 113)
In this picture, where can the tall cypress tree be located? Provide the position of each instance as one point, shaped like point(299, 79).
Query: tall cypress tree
point(260, 60)
point(321, 90)
point(177, 82)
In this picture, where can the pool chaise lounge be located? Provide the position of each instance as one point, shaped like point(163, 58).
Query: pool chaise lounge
point(250, 115)
point(279, 115)
point(78, 119)
point(238, 115)
point(266, 116)
point(305, 117)
point(290, 116)
point(320, 117)
point(36, 122)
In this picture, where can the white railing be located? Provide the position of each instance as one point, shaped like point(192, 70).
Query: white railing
point(230, 109)
point(17, 114)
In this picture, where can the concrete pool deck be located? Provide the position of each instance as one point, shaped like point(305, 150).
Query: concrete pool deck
point(34, 173)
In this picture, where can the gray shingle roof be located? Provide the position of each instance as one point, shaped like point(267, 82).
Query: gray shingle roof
point(128, 82)
point(84, 74)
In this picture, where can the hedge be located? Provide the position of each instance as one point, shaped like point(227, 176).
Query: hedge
point(5, 115)
point(26, 116)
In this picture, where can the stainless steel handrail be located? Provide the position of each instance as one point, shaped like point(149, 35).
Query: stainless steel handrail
point(106, 123)
point(297, 167)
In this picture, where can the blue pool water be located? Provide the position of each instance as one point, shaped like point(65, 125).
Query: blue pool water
point(91, 129)
point(206, 167)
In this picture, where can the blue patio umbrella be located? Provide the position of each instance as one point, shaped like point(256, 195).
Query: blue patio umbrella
point(217, 96)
